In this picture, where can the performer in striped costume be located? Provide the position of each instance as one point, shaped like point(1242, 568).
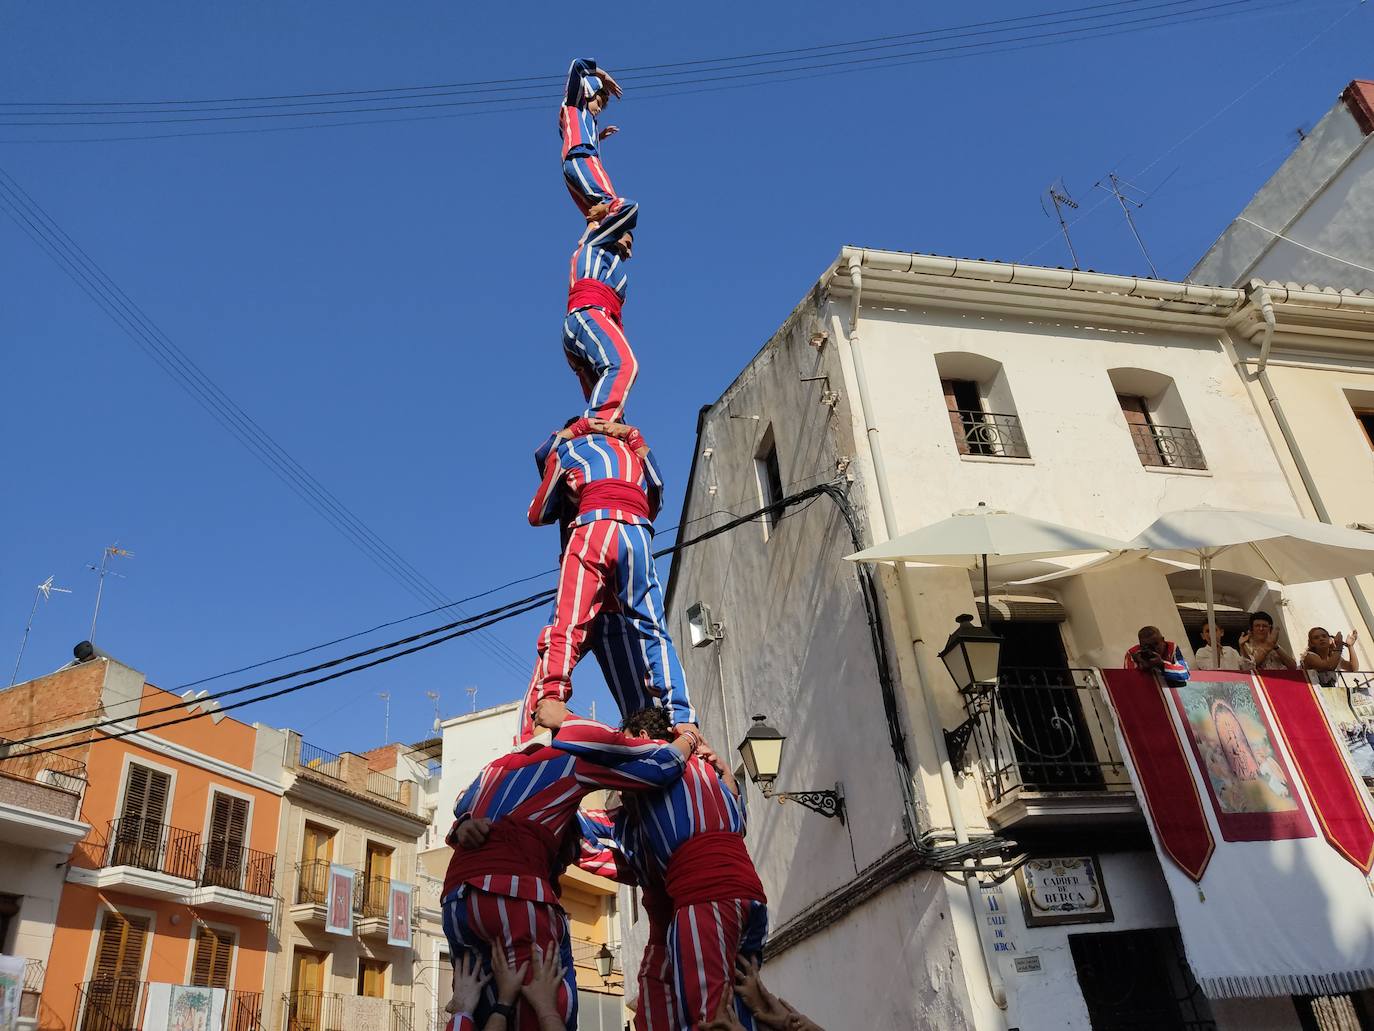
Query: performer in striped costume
point(600, 481)
point(594, 340)
point(586, 95)
point(688, 838)
point(516, 827)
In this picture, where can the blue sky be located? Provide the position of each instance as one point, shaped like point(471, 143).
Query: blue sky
point(385, 300)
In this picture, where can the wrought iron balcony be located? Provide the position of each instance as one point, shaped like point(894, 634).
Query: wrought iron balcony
point(994, 434)
point(228, 864)
point(1169, 447)
point(1044, 744)
point(312, 882)
point(155, 847)
point(120, 1004)
point(327, 1011)
point(317, 760)
point(49, 783)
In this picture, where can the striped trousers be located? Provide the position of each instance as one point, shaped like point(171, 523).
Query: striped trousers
point(475, 922)
point(703, 942)
point(588, 182)
point(600, 355)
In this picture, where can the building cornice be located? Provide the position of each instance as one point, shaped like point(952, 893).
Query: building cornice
point(356, 808)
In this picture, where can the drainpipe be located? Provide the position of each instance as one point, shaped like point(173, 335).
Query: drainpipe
point(1259, 294)
point(924, 674)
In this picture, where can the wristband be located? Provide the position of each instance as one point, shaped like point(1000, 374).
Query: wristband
point(503, 1009)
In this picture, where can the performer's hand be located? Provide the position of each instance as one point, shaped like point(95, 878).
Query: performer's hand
point(473, 833)
point(545, 977)
point(608, 82)
point(798, 1021)
point(508, 980)
point(550, 712)
point(690, 731)
point(608, 132)
point(610, 429)
point(468, 980)
point(597, 212)
point(761, 1002)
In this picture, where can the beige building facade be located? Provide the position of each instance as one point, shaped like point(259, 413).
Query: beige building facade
point(910, 387)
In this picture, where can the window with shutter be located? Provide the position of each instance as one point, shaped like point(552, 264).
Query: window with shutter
point(317, 849)
point(214, 953)
point(378, 880)
point(140, 831)
point(372, 978)
point(112, 996)
point(224, 852)
point(1138, 421)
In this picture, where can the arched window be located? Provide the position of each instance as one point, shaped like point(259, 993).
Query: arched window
point(981, 411)
point(1155, 416)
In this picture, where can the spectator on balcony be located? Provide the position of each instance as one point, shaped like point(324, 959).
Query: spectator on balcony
point(1206, 657)
point(1153, 654)
point(1326, 655)
point(1261, 645)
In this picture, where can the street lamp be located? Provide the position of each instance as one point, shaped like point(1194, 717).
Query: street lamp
point(604, 960)
point(761, 751)
point(973, 655)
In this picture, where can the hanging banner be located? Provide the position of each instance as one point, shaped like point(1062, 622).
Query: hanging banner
point(1338, 797)
point(398, 915)
point(1160, 770)
point(1281, 915)
point(1349, 702)
point(11, 991)
point(180, 1007)
point(338, 914)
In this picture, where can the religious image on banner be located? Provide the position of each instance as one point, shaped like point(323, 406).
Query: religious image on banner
point(1352, 712)
point(398, 915)
point(11, 991)
point(190, 1008)
point(1245, 774)
point(338, 916)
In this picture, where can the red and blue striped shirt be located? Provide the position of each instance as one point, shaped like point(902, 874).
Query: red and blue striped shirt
point(576, 124)
point(569, 465)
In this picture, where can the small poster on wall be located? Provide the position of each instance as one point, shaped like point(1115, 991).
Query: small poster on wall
point(338, 916)
point(11, 991)
point(1063, 890)
point(398, 915)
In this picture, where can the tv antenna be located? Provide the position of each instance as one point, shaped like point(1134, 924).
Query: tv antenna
point(1059, 196)
point(45, 591)
point(1118, 190)
point(385, 696)
point(472, 698)
point(103, 571)
point(433, 696)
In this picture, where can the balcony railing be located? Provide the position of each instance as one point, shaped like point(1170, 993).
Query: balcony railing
point(228, 864)
point(996, 434)
point(55, 770)
point(381, 784)
point(312, 882)
point(372, 897)
point(32, 988)
point(1170, 447)
point(318, 760)
point(327, 1011)
point(140, 842)
point(1047, 730)
point(118, 1004)
point(218, 863)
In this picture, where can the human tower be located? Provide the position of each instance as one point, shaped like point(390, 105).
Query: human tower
point(677, 829)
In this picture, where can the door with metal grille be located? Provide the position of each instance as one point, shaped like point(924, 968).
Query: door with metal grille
point(138, 836)
point(112, 996)
point(224, 852)
point(1139, 981)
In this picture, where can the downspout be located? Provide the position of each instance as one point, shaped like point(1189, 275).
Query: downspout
point(923, 671)
point(1259, 294)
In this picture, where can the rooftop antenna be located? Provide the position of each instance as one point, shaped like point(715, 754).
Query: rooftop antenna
point(472, 698)
point(44, 591)
point(113, 549)
point(1127, 202)
point(385, 696)
point(1059, 195)
point(438, 723)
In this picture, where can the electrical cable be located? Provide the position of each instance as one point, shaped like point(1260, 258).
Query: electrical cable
point(769, 76)
point(461, 628)
point(83, 270)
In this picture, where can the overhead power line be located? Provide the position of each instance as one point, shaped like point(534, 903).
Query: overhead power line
point(1171, 13)
point(448, 632)
point(139, 327)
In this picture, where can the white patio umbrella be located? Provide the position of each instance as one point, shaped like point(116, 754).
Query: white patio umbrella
point(981, 537)
point(1279, 548)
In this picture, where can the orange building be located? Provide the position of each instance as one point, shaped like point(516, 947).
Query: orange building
point(174, 884)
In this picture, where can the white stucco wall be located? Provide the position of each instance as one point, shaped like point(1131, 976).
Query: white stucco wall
point(1321, 196)
point(469, 743)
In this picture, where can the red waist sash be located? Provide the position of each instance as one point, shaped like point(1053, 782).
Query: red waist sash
point(712, 867)
point(592, 293)
point(618, 494)
point(515, 848)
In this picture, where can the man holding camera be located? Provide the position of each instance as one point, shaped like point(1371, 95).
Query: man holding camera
point(1153, 654)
